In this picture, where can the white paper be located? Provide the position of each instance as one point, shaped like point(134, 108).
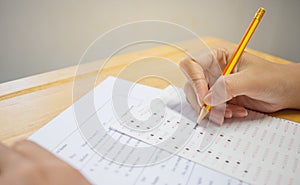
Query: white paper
point(258, 149)
point(62, 137)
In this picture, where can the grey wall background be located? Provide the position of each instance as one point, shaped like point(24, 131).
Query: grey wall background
point(43, 35)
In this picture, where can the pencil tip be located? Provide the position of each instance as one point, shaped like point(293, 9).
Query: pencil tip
point(202, 115)
point(204, 111)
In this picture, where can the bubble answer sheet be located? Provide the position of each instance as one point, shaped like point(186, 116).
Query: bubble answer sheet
point(258, 149)
point(63, 136)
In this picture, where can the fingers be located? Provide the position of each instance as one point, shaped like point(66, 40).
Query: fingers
point(235, 111)
point(213, 62)
point(228, 113)
point(222, 56)
point(217, 114)
point(191, 97)
point(32, 151)
point(203, 70)
point(228, 87)
point(196, 77)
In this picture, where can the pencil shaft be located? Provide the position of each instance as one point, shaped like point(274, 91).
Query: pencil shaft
point(239, 51)
point(243, 43)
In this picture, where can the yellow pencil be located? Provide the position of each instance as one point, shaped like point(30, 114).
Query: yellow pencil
point(236, 56)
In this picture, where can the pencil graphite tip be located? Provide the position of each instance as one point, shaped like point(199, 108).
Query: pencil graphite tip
point(203, 113)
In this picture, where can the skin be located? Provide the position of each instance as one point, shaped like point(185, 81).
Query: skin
point(255, 83)
point(26, 163)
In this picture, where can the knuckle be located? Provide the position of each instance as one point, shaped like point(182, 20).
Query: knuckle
point(221, 54)
point(229, 87)
point(184, 62)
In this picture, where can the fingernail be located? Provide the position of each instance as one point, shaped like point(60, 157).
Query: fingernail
point(242, 113)
point(228, 113)
point(207, 99)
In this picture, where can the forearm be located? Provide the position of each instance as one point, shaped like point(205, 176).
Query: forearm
point(293, 80)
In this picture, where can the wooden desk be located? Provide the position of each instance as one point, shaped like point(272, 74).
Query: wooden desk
point(29, 103)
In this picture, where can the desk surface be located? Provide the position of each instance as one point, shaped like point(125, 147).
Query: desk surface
point(29, 103)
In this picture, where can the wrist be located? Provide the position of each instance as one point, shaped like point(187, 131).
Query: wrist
point(292, 78)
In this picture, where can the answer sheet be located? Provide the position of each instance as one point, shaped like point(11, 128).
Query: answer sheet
point(72, 136)
point(258, 149)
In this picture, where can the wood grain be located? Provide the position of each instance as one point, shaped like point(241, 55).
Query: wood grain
point(29, 103)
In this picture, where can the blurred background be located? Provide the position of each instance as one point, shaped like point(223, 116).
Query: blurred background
point(43, 35)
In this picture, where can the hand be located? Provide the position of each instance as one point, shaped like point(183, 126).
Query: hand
point(26, 163)
point(255, 83)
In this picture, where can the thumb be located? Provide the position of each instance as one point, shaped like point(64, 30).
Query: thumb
point(228, 87)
